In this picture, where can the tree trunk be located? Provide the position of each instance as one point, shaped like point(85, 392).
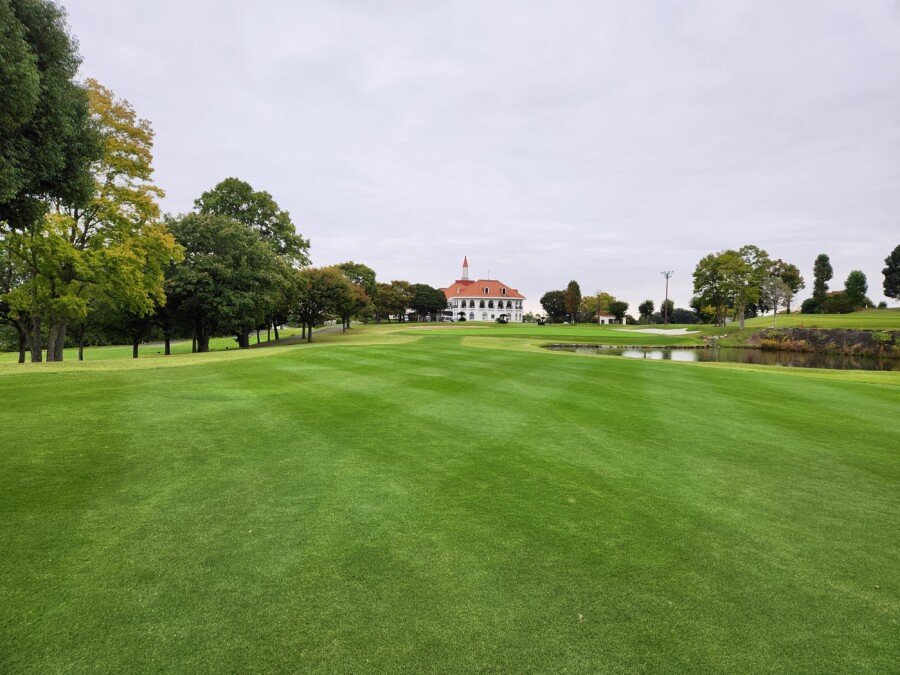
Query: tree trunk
point(168, 348)
point(275, 328)
point(81, 341)
point(268, 332)
point(202, 336)
point(36, 352)
point(135, 342)
point(194, 340)
point(23, 338)
point(257, 336)
point(56, 339)
point(302, 330)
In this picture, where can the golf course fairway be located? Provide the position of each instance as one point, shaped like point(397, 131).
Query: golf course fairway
point(444, 501)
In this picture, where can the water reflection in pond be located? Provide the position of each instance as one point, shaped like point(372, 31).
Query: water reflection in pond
point(753, 356)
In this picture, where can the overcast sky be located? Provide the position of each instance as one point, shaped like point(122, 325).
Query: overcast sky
point(597, 141)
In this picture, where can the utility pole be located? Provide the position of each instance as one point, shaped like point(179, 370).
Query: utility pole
point(668, 275)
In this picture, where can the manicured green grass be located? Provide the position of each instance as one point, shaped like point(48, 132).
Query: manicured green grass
point(579, 333)
point(434, 505)
point(870, 319)
point(150, 350)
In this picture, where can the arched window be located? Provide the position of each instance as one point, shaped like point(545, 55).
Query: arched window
point(509, 304)
point(484, 316)
point(481, 304)
point(486, 290)
point(471, 316)
point(503, 290)
point(472, 304)
point(490, 304)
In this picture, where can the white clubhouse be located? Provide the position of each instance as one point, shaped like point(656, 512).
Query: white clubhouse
point(483, 299)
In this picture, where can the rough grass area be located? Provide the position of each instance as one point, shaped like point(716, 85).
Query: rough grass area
point(434, 506)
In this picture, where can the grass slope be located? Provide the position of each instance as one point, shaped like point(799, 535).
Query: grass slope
point(432, 506)
point(869, 319)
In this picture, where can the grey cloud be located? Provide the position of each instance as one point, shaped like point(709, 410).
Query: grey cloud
point(598, 141)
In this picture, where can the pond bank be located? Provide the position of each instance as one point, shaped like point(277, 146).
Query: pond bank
point(751, 355)
point(828, 341)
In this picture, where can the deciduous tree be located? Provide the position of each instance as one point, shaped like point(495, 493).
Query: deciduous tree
point(47, 141)
point(594, 305)
point(259, 211)
point(856, 286)
point(363, 279)
point(47, 145)
point(113, 248)
point(790, 275)
point(400, 298)
point(738, 278)
point(618, 309)
point(891, 274)
point(229, 279)
point(710, 287)
point(684, 316)
point(759, 266)
point(777, 293)
point(426, 300)
point(320, 291)
point(732, 279)
point(554, 304)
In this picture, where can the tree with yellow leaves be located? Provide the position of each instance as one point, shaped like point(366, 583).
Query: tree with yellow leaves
point(114, 250)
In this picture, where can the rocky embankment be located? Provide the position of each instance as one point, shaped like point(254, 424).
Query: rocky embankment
point(833, 341)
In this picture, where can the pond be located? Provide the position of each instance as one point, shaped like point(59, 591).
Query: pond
point(737, 355)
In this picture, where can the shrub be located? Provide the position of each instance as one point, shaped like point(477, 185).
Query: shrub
point(809, 306)
point(838, 302)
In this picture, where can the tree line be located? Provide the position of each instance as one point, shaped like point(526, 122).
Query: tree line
point(747, 282)
point(85, 254)
point(570, 305)
point(733, 285)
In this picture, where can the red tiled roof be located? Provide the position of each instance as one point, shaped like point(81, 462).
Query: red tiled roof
point(465, 288)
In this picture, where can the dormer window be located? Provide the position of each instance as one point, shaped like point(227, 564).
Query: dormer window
point(486, 290)
point(503, 290)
